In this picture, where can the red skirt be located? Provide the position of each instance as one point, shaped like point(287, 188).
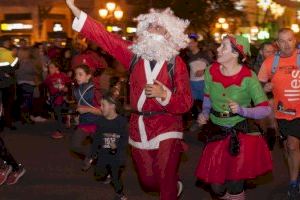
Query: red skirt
point(216, 165)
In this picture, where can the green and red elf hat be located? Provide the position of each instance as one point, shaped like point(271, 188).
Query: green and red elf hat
point(241, 44)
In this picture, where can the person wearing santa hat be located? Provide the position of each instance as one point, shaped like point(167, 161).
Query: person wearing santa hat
point(158, 97)
point(235, 150)
point(96, 63)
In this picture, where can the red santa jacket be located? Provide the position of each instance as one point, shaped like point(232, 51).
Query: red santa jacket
point(145, 132)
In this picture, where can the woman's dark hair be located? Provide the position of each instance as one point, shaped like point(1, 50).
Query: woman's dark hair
point(85, 68)
point(241, 59)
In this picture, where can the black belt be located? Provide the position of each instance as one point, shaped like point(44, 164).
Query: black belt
point(225, 114)
point(149, 113)
point(217, 132)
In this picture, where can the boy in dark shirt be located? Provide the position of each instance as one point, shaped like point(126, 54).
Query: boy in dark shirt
point(109, 144)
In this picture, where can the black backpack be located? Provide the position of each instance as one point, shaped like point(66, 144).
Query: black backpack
point(170, 67)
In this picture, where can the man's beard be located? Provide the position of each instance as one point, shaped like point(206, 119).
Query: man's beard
point(154, 47)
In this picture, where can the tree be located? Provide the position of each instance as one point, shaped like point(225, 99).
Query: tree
point(202, 13)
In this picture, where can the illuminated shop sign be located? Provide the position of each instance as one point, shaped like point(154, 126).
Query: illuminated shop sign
point(57, 27)
point(131, 30)
point(113, 28)
point(15, 27)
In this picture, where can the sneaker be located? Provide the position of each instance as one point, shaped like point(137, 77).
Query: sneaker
point(15, 176)
point(38, 119)
point(87, 163)
point(180, 188)
point(120, 197)
point(57, 135)
point(293, 193)
point(5, 170)
point(105, 181)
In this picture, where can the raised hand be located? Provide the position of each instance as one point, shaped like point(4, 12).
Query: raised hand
point(71, 4)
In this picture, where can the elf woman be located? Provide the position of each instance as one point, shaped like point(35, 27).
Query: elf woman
point(235, 151)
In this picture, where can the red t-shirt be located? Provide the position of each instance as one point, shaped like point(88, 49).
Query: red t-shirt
point(55, 84)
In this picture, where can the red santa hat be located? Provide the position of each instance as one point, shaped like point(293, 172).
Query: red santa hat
point(90, 59)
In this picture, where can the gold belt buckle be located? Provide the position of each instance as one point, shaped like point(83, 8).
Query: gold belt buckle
point(225, 114)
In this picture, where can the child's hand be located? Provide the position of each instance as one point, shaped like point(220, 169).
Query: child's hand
point(82, 109)
point(65, 89)
point(202, 119)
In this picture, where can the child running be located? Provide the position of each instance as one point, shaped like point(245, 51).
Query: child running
point(109, 144)
point(57, 82)
point(88, 99)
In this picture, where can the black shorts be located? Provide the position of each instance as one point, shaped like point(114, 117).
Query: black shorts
point(289, 127)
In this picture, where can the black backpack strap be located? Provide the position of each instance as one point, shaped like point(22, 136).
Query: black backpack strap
point(171, 71)
point(133, 62)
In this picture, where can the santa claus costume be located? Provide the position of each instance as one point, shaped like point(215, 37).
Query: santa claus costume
point(156, 130)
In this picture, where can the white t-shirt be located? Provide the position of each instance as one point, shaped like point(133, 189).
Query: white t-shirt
point(196, 66)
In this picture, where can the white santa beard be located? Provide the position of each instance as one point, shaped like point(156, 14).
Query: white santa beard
point(150, 49)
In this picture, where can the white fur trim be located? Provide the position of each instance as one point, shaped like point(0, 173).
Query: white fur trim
point(150, 76)
point(141, 101)
point(79, 22)
point(142, 129)
point(167, 99)
point(154, 142)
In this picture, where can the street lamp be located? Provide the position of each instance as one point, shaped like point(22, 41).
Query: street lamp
point(295, 28)
point(118, 14)
point(221, 20)
point(103, 13)
point(222, 23)
point(111, 11)
point(223, 26)
point(110, 6)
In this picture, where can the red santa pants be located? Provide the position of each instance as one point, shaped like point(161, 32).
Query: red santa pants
point(157, 169)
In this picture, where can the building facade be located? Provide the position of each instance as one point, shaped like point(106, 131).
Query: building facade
point(37, 21)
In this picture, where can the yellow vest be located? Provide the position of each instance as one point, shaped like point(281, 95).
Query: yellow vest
point(7, 58)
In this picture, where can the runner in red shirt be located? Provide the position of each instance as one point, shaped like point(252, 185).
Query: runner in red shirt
point(56, 83)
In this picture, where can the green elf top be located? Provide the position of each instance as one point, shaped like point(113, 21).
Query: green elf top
point(242, 87)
